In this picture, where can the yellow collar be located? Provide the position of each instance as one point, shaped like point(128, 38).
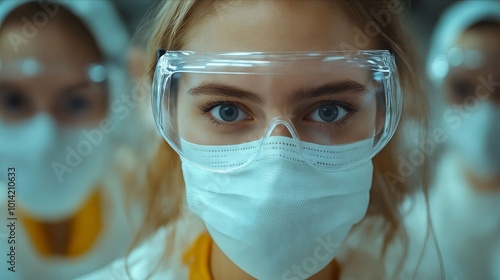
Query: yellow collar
point(197, 258)
point(82, 231)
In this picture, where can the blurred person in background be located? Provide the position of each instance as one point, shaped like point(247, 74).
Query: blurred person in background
point(71, 137)
point(464, 201)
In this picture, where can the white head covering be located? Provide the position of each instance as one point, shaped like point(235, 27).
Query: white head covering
point(104, 23)
point(108, 30)
point(451, 25)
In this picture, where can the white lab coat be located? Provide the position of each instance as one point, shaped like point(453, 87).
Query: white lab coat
point(146, 259)
point(359, 258)
point(467, 224)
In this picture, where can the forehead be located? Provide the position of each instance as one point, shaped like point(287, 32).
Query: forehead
point(53, 45)
point(272, 26)
point(481, 47)
point(485, 39)
point(52, 55)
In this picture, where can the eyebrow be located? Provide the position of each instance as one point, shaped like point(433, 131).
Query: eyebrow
point(224, 90)
point(341, 87)
point(345, 86)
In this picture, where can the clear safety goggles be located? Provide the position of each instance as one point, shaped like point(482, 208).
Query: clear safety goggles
point(326, 106)
point(72, 96)
point(32, 67)
point(463, 60)
point(464, 75)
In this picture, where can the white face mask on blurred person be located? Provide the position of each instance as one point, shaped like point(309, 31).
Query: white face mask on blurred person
point(56, 169)
point(476, 139)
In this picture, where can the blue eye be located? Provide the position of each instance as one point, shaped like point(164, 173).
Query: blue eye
point(461, 89)
point(328, 113)
point(77, 104)
point(14, 101)
point(228, 113)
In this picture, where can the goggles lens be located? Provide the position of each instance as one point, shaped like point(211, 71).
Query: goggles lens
point(72, 96)
point(323, 102)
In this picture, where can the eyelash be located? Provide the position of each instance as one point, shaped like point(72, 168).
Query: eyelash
point(207, 107)
point(350, 108)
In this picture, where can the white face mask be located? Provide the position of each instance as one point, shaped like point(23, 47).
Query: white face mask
point(56, 169)
point(280, 218)
point(476, 139)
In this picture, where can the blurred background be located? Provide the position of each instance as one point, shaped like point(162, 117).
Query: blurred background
point(424, 14)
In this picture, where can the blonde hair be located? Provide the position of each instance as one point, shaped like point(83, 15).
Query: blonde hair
point(170, 27)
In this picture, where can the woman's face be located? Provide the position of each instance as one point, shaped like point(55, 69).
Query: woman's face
point(49, 73)
point(464, 81)
point(216, 109)
point(475, 84)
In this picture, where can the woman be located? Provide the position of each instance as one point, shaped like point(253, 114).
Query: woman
point(64, 125)
point(279, 117)
point(463, 66)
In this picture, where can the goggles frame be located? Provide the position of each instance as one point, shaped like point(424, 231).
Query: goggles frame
point(171, 62)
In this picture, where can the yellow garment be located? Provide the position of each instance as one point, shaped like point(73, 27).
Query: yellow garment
point(84, 229)
point(197, 258)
